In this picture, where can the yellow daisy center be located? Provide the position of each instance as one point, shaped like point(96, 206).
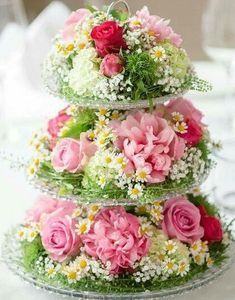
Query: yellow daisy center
point(158, 53)
point(50, 271)
point(70, 47)
point(108, 160)
point(81, 45)
point(135, 191)
point(142, 209)
point(136, 23)
point(142, 174)
point(72, 275)
point(170, 265)
point(82, 264)
point(151, 33)
point(169, 247)
point(83, 228)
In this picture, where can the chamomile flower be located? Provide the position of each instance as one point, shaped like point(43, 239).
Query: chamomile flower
point(93, 208)
point(142, 174)
point(102, 181)
point(157, 213)
point(31, 235)
point(108, 159)
point(115, 115)
point(196, 248)
point(161, 256)
point(181, 127)
point(91, 135)
point(103, 112)
point(141, 209)
point(183, 268)
point(146, 227)
point(169, 266)
point(22, 234)
point(83, 226)
point(209, 260)
point(82, 264)
point(199, 259)
point(78, 211)
point(72, 274)
point(102, 122)
point(170, 247)
point(204, 247)
point(121, 161)
point(177, 117)
point(135, 191)
point(158, 53)
point(32, 169)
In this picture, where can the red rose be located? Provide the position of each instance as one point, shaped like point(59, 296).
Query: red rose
point(108, 38)
point(212, 227)
point(193, 134)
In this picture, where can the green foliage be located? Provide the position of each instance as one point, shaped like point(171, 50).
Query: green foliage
point(141, 71)
point(121, 16)
point(83, 123)
point(202, 200)
point(31, 251)
point(204, 147)
point(200, 85)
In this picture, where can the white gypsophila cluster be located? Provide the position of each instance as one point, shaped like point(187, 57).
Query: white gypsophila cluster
point(85, 74)
point(113, 89)
point(190, 163)
point(55, 70)
point(133, 38)
point(98, 270)
point(147, 270)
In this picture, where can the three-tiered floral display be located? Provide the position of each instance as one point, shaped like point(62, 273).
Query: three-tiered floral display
point(121, 166)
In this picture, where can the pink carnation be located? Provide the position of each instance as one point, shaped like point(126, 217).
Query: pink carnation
point(192, 117)
point(114, 237)
point(55, 124)
point(182, 220)
point(156, 26)
point(58, 234)
point(72, 155)
point(76, 17)
point(148, 142)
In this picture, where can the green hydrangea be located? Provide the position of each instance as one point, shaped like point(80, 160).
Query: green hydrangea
point(178, 60)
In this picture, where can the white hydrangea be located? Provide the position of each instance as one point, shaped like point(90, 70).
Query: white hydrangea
point(85, 74)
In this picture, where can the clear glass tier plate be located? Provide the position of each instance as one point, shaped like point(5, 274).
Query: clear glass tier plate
point(119, 105)
point(45, 187)
point(11, 256)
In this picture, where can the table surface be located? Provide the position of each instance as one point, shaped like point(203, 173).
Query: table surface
point(17, 196)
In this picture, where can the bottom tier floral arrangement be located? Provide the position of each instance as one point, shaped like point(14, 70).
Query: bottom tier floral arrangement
point(118, 250)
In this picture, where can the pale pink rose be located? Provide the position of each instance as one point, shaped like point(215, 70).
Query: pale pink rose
point(111, 65)
point(72, 155)
point(156, 26)
point(58, 234)
point(148, 142)
point(55, 124)
point(192, 117)
point(114, 237)
point(43, 205)
point(76, 17)
point(182, 220)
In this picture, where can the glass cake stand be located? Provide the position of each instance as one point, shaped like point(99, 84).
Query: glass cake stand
point(12, 257)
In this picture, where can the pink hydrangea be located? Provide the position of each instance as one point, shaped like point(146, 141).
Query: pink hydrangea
point(114, 237)
point(55, 124)
point(72, 155)
point(148, 142)
point(192, 117)
point(182, 220)
point(76, 17)
point(58, 234)
point(155, 26)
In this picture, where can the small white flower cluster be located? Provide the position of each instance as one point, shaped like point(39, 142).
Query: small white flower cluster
point(28, 232)
point(113, 89)
point(39, 143)
point(169, 83)
point(155, 211)
point(200, 253)
point(191, 162)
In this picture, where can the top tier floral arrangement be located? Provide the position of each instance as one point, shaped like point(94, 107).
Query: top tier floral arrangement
point(116, 60)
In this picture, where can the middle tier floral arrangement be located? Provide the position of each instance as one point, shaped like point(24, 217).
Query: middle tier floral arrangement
point(140, 155)
point(111, 57)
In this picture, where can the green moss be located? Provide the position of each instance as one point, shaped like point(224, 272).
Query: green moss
point(31, 251)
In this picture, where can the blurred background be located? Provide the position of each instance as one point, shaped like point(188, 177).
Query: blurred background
point(26, 30)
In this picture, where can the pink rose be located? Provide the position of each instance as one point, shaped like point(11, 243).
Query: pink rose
point(43, 205)
point(58, 234)
point(182, 220)
point(111, 65)
point(114, 237)
point(55, 124)
point(72, 155)
point(155, 26)
point(192, 118)
point(149, 143)
point(76, 17)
